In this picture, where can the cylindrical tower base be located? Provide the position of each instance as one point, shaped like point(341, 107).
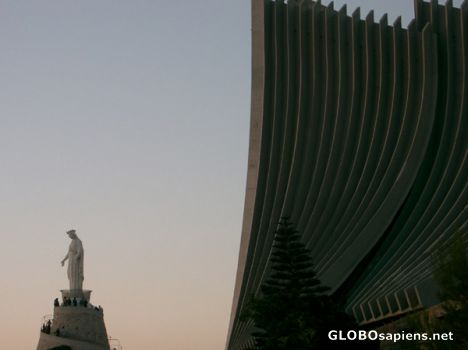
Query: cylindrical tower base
point(80, 326)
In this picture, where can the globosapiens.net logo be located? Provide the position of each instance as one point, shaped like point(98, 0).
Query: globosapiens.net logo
point(373, 335)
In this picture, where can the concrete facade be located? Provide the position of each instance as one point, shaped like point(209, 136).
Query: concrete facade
point(359, 135)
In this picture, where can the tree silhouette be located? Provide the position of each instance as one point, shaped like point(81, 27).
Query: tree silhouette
point(450, 271)
point(451, 274)
point(293, 310)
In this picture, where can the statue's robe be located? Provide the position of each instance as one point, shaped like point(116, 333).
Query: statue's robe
point(75, 264)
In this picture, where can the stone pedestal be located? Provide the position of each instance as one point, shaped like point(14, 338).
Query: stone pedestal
point(79, 327)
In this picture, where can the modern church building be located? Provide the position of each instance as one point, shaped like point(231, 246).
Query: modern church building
point(359, 135)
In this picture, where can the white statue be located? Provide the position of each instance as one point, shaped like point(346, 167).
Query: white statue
point(75, 257)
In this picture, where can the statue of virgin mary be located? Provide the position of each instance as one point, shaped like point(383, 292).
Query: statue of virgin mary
point(75, 257)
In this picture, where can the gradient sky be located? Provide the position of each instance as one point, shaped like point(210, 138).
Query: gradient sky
point(128, 121)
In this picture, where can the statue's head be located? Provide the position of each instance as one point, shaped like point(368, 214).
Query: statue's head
point(72, 234)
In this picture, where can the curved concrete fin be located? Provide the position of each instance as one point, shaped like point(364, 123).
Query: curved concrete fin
point(412, 26)
point(308, 4)
point(357, 13)
point(397, 23)
point(434, 11)
point(343, 10)
point(418, 11)
point(384, 20)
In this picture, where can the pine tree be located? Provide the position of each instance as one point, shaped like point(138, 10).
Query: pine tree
point(293, 311)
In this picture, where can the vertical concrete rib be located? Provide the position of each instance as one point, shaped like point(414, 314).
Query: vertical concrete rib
point(377, 38)
point(256, 122)
point(395, 114)
point(277, 115)
point(379, 150)
point(330, 141)
point(338, 112)
point(417, 131)
point(367, 115)
point(289, 131)
point(305, 89)
point(313, 107)
point(375, 121)
point(325, 128)
point(429, 93)
point(357, 102)
point(421, 204)
point(399, 152)
point(439, 208)
point(346, 123)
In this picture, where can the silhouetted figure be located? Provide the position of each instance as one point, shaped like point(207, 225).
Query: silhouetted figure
point(57, 332)
point(75, 302)
point(85, 303)
point(56, 302)
point(46, 327)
